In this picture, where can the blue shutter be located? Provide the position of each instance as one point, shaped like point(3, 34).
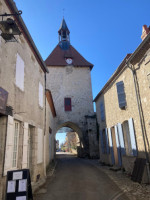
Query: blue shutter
point(121, 139)
point(111, 146)
point(132, 137)
point(101, 141)
point(118, 146)
point(107, 141)
point(102, 111)
point(121, 94)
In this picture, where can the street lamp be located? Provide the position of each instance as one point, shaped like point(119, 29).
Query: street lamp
point(9, 27)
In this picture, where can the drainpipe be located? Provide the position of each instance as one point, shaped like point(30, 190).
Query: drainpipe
point(140, 110)
point(45, 128)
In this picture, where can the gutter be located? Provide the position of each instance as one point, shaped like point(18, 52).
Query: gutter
point(26, 34)
point(138, 48)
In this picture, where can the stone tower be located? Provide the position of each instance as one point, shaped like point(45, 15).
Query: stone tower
point(69, 81)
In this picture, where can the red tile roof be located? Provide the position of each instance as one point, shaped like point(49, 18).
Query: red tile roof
point(58, 55)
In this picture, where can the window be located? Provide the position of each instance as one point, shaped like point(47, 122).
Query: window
point(40, 95)
point(20, 72)
point(15, 144)
point(67, 102)
point(102, 111)
point(121, 94)
point(104, 141)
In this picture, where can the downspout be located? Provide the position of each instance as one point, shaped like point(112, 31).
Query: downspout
point(140, 110)
point(45, 127)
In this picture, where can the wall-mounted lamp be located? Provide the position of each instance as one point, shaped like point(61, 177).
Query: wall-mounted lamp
point(9, 27)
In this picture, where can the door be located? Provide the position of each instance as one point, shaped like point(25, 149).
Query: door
point(114, 146)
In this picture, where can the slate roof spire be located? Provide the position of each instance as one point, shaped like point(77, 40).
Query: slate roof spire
point(64, 35)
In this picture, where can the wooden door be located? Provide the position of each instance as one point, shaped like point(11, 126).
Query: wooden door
point(114, 146)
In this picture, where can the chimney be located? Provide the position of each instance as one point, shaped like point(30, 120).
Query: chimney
point(145, 31)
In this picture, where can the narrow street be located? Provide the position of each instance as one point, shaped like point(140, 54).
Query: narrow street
point(78, 179)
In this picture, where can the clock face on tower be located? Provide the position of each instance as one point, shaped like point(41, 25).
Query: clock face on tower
point(69, 61)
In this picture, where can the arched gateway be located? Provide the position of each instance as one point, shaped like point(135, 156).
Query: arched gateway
point(69, 81)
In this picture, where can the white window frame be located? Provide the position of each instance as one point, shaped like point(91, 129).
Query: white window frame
point(19, 72)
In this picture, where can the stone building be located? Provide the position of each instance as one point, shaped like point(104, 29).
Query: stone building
point(26, 115)
point(73, 141)
point(69, 80)
point(123, 110)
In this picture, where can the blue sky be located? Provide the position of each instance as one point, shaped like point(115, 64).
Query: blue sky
point(61, 137)
point(103, 31)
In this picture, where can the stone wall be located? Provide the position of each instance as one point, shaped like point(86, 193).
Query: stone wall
point(75, 83)
point(115, 115)
point(25, 103)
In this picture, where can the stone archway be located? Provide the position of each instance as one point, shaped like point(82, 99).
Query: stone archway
point(73, 126)
point(75, 129)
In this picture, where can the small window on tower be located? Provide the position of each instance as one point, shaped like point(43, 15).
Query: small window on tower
point(67, 102)
point(64, 35)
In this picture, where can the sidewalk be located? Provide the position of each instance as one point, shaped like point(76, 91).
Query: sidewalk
point(133, 190)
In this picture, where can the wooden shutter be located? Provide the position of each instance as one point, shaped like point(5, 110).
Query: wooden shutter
point(20, 72)
point(132, 137)
point(121, 94)
point(9, 145)
point(67, 102)
point(111, 146)
point(107, 141)
point(25, 146)
point(101, 141)
point(40, 146)
point(118, 146)
point(40, 95)
point(102, 111)
point(121, 139)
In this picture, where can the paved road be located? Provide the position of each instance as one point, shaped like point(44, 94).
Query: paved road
point(78, 179)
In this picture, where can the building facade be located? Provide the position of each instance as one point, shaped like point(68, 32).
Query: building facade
point(123, 110)
point(69, 80)
point(24, 128)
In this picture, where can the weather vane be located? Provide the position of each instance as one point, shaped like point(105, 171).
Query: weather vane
point(63, 12)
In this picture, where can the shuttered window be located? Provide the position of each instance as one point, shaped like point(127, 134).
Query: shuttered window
point(40, 95)
point(104, 141)
point(67, 102)
point(15, 145)
point(20, 72)
point(102, 111)
point(121, 94)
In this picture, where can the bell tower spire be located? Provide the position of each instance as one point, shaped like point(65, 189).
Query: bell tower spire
point(64, 35)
